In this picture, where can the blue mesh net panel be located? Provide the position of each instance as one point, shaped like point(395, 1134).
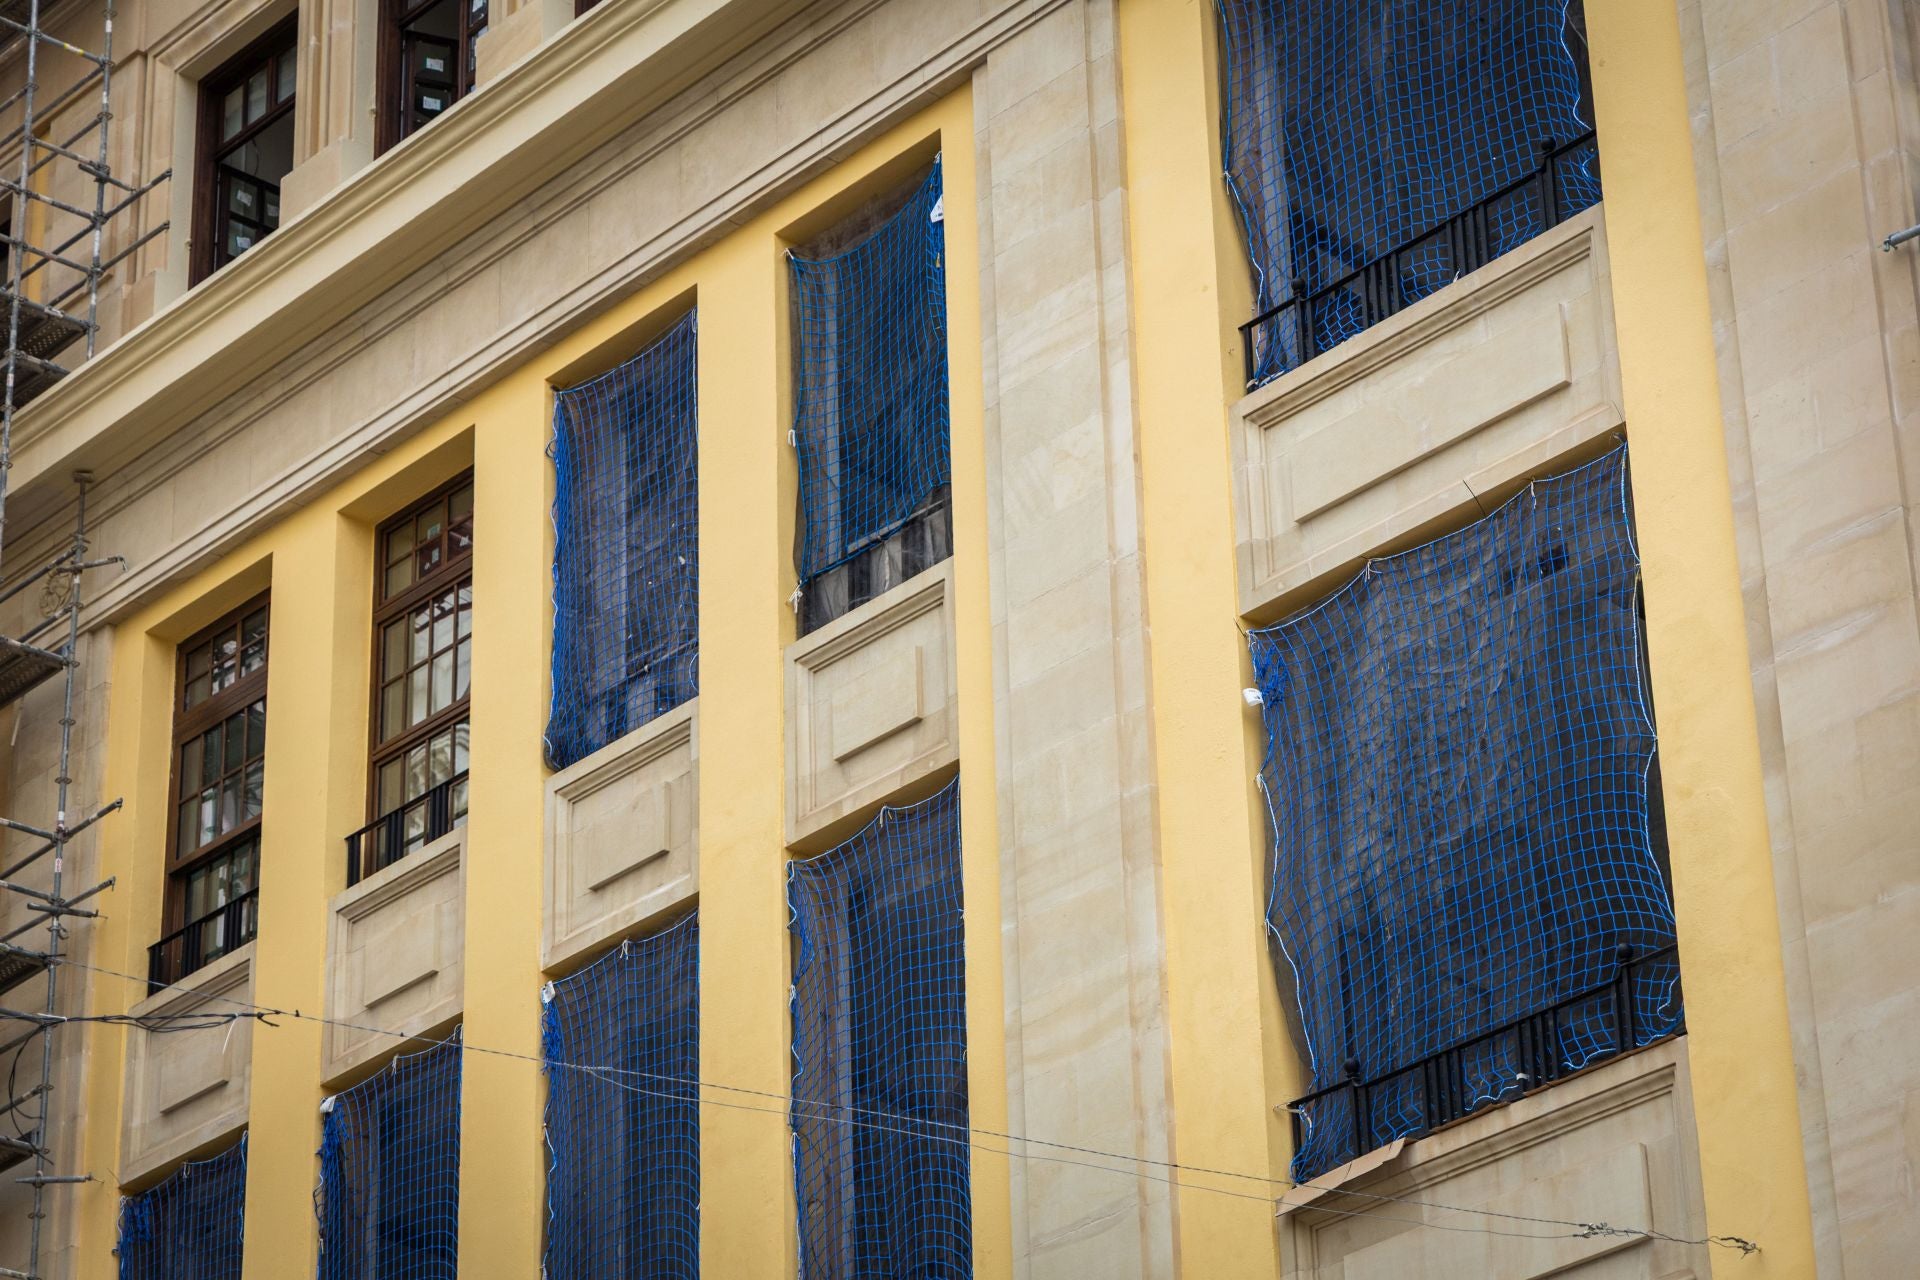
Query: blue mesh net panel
point(626, 591)
point(1355, 128)
point(879, 1115)
point(1459, 748)
point(623, 1184)
point(870, 382)
point(389, 1195)
point(190, 1226)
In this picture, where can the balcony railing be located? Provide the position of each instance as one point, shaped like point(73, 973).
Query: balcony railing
point(1346, 1120)
point(199, 943)
point(1307, 323)
point(415, 824)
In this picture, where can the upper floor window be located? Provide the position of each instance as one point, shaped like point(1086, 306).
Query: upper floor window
point(626, 573)
point(870, 411)
point(423, 666)
point(246, 151)
point(1377, 150)
point(219, 773)
point(1469, 877)
point(428, 61)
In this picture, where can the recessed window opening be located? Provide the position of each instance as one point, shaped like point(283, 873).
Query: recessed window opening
point(247, 150)
point(432, 57)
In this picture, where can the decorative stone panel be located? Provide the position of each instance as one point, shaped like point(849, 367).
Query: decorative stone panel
point(394, 955)
point(870, 704)
point(1424, 415)
point(186, 1089)
point(623, 836)
point(1612, 1145)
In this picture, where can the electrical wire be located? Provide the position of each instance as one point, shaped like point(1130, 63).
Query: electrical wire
point(824, 1110)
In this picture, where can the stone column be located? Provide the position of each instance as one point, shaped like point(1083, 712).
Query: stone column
point(334, 112)
point(1086, 1045)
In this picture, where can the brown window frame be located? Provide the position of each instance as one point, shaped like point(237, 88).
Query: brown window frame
point(394, 69)
point(190, 723)
point(453, 571)
point(209, 221)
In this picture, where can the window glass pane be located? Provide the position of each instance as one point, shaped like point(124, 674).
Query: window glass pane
point(208, 830)
point(443, 610)
point(236, 742)
point(239, 240)
point(198, 885)
point(399, 576)
point(199, 658)
point(197, 691)
point(416, 764)
point(390, 793)
point(400, 544)
point(231, 108)
point(393, 709)
point(460, 519)
point(289, 65)
point(422, 619)
point(257, 729)
point(462, 670)
point(189, 825)
point(439, 759)
point(210, 757)
point(460, 747)
point(256, 95)
point(393, 658)
point(230, 803)
point(427, 558)
point(256, 782)
point(466, 609)
point(442, 681)
point(417, 696)
point(189, 767)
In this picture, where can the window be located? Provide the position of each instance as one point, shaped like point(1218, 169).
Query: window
point(246, 151)
point(219, 771)
point(870, 402)
point(389, 1198)
point(879, 1028)
point(423, 664)
point(1468, 878)
point(1376, 152)
point(428, 61)
point(626, 617)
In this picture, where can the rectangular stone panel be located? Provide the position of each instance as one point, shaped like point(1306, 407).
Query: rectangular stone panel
point(394, 955)
point(622, 836)
point(185, 1089)
point(870, 704)
point(1423, 416)
point(1613, 1145)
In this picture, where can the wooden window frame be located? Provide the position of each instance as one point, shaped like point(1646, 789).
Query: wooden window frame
point(190, 723)
point(393, 71)
point(209, 240)
point(449, 575)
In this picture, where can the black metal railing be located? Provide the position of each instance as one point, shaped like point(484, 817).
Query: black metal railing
point(1307, 323)
point(199, 943)
point(1348, 1119)
point(415, 824)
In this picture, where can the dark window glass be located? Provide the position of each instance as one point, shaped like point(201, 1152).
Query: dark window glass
point(246, 150)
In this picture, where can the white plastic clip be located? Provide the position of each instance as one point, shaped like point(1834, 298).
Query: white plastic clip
point(793, 437)
point(326, 1106)
point(1254, 697)
point(939, 213)
point(547, 994)
point(796, 599)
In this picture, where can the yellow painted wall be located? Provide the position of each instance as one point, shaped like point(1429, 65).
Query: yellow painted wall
point(319, 563)
point(1738, 1042)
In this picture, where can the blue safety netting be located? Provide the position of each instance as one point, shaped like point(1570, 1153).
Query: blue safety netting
point(389, 1194)
point(880, 1138)
point(626, 559)
point(870, 382)
point(1459, 744)
point(189, 1227)
point(1353, 128)
point(623, 1183)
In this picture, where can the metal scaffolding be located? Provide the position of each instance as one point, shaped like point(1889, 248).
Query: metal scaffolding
point(58, 202)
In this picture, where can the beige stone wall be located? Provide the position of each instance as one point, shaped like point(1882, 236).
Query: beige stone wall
point(1805, 138)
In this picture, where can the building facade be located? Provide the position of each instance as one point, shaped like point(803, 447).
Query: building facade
point(1049, 638)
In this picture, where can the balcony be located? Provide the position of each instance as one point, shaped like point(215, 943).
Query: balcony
point(1309, 322)
point(1639, 1006)
point(408, 829)
point(199, 943)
